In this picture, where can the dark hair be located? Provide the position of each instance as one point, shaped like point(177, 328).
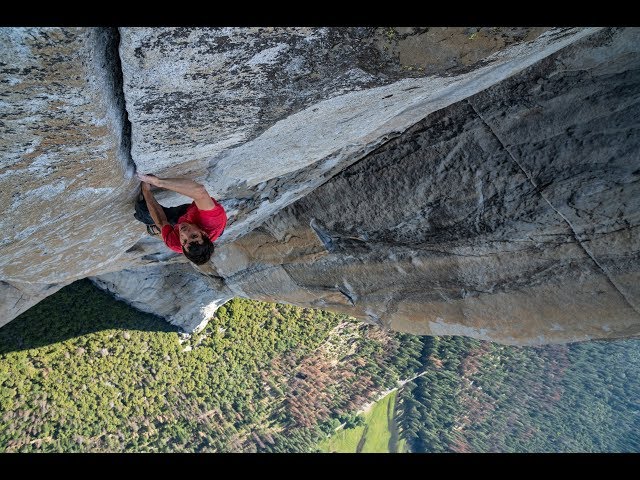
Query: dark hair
point(200, 253)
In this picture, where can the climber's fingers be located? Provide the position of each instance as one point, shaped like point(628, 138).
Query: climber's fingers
point(143, 177)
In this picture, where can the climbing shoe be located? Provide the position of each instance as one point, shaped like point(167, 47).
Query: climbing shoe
point(153, 230)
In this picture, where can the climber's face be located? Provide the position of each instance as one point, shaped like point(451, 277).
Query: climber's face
point(189, 233)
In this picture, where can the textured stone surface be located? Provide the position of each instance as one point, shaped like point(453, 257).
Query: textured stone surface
point(18, 297)
point(181, 295)
point(194, 92)
point(510, 216)
point(509, 213)
point(264, 116)
point(62, 156)
point(66, 162)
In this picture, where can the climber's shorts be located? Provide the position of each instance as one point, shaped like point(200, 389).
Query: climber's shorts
point(173, 213)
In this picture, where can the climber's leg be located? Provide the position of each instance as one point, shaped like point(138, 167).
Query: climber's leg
point(173, 213)
point(142, 212)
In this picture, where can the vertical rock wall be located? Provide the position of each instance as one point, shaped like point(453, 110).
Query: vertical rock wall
point(408, 177)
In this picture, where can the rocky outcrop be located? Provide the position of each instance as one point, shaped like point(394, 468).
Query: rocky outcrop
point(509, 216)
point(183, 296)
point(18, 297)
point(493, 196)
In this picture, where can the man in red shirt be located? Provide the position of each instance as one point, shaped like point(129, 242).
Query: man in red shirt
point(190, 228)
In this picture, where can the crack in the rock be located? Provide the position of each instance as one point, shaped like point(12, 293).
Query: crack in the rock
point(567, 221)
point(344, 292)
point(18, 301)
point(108, 58)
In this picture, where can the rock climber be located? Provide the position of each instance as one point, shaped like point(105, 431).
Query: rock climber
point(189, 228)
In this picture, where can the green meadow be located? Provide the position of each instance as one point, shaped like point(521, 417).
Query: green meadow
point(375, 436)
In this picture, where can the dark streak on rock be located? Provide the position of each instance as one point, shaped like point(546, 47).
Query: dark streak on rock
point(108, 41)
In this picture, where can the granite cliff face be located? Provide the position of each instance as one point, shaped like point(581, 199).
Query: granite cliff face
point(408, 177)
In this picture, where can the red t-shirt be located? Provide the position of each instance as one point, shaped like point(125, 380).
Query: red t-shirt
point(211, 221)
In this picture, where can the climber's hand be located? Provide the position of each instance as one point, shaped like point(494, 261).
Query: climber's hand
point(152, 179)
point(145, 187)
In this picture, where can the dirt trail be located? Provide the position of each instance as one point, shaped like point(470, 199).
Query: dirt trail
point(363, 439)
point(393, 427)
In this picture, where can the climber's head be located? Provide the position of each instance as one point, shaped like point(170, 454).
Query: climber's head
point(196, 244)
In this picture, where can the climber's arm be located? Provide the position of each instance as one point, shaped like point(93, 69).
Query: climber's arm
point(155, 209)
point(184, 186)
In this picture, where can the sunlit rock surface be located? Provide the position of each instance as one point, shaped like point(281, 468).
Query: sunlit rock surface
point(63, 161)
point(403, 176)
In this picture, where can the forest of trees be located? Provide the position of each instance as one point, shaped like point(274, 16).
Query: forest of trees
point(485, 397)
point(81, 371)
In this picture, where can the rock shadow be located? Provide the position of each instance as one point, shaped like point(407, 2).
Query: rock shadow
point(75, 310)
